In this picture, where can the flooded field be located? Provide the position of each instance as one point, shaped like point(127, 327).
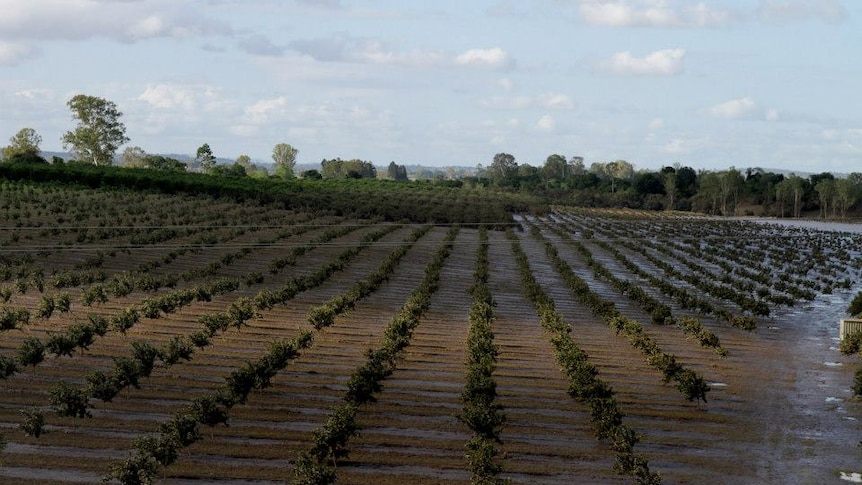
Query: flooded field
point(625, 347)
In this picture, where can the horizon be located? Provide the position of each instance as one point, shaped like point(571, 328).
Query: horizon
point(654, 82)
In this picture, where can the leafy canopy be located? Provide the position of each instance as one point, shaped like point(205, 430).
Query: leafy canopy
point(99, 132)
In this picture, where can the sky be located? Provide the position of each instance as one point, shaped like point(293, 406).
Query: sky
point(710, 85)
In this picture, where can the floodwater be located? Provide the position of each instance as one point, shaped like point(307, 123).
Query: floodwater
point(820, 414)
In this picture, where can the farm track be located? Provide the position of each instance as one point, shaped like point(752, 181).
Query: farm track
point(778, 410)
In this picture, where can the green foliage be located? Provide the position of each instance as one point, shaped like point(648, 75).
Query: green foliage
point(427, 201)
point(284, 156)
point(857, 383)
point(167, 164)
point(11, 318)
point(851, 343)
point(23, 147)
point(99, 132)
point(46, 307)
point(69, 402)
point(207, 410)
point(179, 348)
point(137, 469)
point(34, 422)
point(855, 307)
point(205, 158)
point(8, 366)
point(101, 386)
point(31, 352)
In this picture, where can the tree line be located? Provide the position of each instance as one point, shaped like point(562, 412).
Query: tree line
point(99, 133)
point(728, 192)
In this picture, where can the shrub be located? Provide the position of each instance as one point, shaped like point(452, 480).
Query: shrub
point(31, 352)
point(855, 307)
point(852, 343)
point(857, 383)
point(33, 424)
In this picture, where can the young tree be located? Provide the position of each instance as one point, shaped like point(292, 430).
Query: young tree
point(284, 157)
point(25, 143)
point(99, 132)
point(205, 158)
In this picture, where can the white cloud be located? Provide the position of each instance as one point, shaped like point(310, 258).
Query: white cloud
point(651, 13)
point(665, 62)
point(682, 146)
point(546, 124)
point(656, 124)
point(556, 101)
point(124, 21)
point(362, 50)
point(783, 11)
point(164, 96)
point(12, 54)
point(261, 111)
point(733, 109)
point(742, 108)
point(493, 58)
point(506, 84)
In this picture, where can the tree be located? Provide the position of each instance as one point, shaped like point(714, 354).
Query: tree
point(825, 193)
point(845, 195)
point(397, 172)
point(503, 169)
point(167, 164)
point(555, 170)
point(312, 174)
point(284, 157)
point(205, 158)
point(34, 422)
point(24, 143)
point(576, 165)
point(99, 132)
point(670, 188)
point(31, 352)
point(730, 182)
point(133, 157)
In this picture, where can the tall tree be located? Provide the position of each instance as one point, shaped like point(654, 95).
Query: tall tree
point(205, 158)
point(25, 142)
point(555, 171)
point(730, 183)
point(396, 172)
point(133, 157)
point(250, 168)
point(845, 195)
point(825, 193)
point(284, 156)
point(99, 132)
point(503, 169)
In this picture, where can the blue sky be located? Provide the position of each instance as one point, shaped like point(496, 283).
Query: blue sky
point(758, 83)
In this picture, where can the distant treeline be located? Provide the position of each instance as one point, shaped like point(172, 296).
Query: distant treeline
point(726, 192)
point(354, 187)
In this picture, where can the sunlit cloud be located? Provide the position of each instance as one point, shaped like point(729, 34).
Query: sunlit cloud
point(667, 62)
